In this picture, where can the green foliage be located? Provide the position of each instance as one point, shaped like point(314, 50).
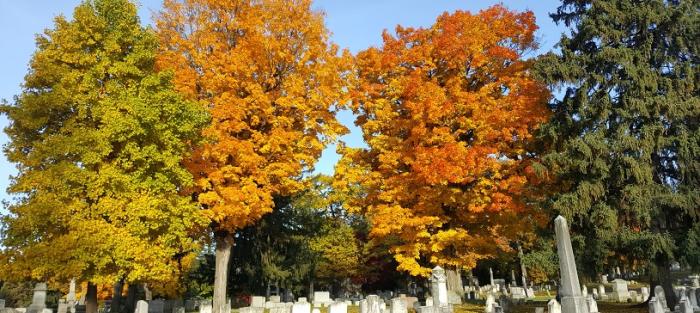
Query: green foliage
point(98, 135)
point(624, 140)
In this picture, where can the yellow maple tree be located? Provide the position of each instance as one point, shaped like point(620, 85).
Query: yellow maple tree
point(271, 80)
point(447, 112)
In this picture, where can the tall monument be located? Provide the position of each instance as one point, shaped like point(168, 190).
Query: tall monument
point(571, 299)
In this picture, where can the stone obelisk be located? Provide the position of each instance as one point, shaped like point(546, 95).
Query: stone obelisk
point(571, 299)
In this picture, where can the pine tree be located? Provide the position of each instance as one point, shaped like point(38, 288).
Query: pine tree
point(624, 137)
point(98, 136)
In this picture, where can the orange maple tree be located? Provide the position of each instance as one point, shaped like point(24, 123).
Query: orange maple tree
point(271, 80)
point(447, 112)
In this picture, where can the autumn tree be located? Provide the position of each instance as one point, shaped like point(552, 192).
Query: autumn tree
point(624, 138)
point(270, 79)
point(447, 112)
point(98, 135)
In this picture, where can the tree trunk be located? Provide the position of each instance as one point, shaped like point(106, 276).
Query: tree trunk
point(117, 296)
point(661, 276)
point(131, 294)
point(91, 298)
point(224, 243)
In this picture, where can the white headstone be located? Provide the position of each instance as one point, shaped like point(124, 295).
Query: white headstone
point(592, 305)
point(62, 306)
point(438, 282)
point(142, 307)
point(315, 310)
point(276, 299)
point(257, 302)
point(490, 301)
point(595, 294)
point(571, 299)
point(429, 301)
point(539, 309)
point(205, 307)
point(398, 305)
point(584, 291)
point(38, 299)
point(302, 299)
point(338, 307)
point(373, 304)
point(685, 306)
point(692, 298)
point(660, 297)
point(601, 290)
point(363, 306)
point(301, 307)
point(620, 292)
point(553, 306)
point(322, 298)
point(604, 279)
point(645, 293)
point(655, 306)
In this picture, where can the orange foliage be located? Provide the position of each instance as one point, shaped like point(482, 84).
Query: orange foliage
point(271, 81)
point(447, 113)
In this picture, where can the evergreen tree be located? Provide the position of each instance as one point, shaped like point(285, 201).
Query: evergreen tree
point(624, 137)
point(98, 136)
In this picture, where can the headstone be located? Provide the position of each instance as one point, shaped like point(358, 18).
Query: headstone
point(592, 305)
point(62, 306)
point(373, 304)
point(685, 306)
point(205, 307)
point(620, 292)
point(655, 306)
point(438, 283)
point(604, 279)
point(595, 294)
point(491, 276)
point(142, 307)
point(601, 290)
point(315, 310)
point(178, 309)
point(584, 291)
point(692, 298)
point(322, 298)
point(71, 291)
point(490, 301)
point(645, 293)
point(363, 306)
point(517, 293)
point(38, 299)
point(429, 301)
point(398, 305)
point(571, 299)
point(257, 302)
point(275, 299)
point(633, 296)
point(694, 281)
point(553, 306)
point(539, 309)
point(302, 299)
point(2, 304)
point(410, 301)
point(156, 306)
point(338, 307)
point(660, 297)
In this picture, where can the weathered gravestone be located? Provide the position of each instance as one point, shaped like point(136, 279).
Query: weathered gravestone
point(438, 289)
point(205, 306)
point(490, 301)
point(39, 299)
point(645, 293)
point(62, 306)
point(655, 306)
point(517, 293)
point(398, 305)
point(661, 297)
point(592, 305)
point(142, 307)
point(2, 304)
point(553, 306)
point(301, 307)
point(257, 302)
point(571, 299)
point(322, 298)
point(620, 292)
point(275, 299)
point(338, 307)
point(539, 309)
point(373, 304)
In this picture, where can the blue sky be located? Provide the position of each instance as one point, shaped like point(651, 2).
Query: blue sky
point(355, 25)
